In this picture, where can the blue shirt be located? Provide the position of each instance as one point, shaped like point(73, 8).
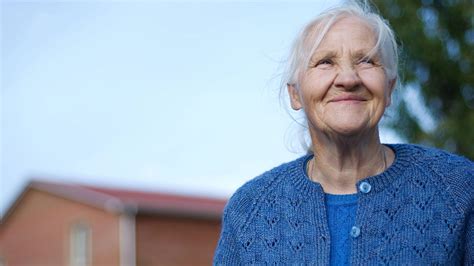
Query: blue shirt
point(341, 213)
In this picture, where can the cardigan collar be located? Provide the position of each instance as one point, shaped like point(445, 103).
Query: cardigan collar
point(403, 158)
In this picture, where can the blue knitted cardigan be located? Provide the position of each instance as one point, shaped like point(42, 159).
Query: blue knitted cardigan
point(418, 212)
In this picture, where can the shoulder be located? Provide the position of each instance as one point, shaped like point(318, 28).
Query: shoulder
point(441, 162)
point(244, 203)
point(445, 164)
point(454, 172)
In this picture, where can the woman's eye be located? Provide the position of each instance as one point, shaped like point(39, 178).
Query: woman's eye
point(366, 60)
point(324, 62)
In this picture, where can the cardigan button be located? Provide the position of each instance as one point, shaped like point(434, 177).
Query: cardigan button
point(365, 187)
point(355, 231)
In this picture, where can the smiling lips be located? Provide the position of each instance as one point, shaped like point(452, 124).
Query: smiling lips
point(348, 98)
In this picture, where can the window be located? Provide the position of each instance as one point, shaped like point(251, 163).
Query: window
point(80, 250)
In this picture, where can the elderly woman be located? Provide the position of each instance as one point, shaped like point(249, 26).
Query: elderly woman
point(351, 200)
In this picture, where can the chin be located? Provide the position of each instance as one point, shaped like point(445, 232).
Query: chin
point(353, 130)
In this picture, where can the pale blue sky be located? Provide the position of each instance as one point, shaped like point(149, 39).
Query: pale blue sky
point(179, 97)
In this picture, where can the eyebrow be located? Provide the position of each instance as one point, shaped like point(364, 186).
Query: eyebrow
point(324, 53)
point(320, 54)
point(364, 53)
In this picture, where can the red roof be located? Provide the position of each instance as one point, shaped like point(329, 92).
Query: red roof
point(159, 202)
point(133, 201)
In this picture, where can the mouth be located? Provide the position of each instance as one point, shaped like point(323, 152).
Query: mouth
point(348, 99)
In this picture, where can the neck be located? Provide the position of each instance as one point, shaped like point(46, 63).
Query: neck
point(340, 162)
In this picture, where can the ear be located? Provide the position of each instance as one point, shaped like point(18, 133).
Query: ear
point(391, 86)
point(294, 97)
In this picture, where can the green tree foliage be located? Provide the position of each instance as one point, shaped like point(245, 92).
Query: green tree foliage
point(437, 56)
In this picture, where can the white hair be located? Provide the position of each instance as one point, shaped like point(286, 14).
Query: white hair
point(309, 39)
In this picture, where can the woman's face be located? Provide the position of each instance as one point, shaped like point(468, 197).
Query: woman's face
point(343, 91)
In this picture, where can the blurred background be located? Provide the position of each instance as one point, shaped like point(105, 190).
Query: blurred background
point(136, 109)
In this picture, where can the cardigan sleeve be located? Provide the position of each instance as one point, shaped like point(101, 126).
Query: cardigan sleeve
point(457, 174)
point(227, 248)
point(235, 213)
point(469, 253)
point(238, 214)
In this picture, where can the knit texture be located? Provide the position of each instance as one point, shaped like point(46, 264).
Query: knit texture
point(418, 212)
point(341, 211)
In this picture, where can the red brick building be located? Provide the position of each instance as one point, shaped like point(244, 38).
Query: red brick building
point(64, 224)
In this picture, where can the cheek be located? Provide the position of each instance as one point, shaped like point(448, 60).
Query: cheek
point(375, 82)
point(315, 84)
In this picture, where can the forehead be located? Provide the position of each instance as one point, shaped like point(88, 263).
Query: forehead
point(348, 32)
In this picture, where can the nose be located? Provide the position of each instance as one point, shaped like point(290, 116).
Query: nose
point(347, 78)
